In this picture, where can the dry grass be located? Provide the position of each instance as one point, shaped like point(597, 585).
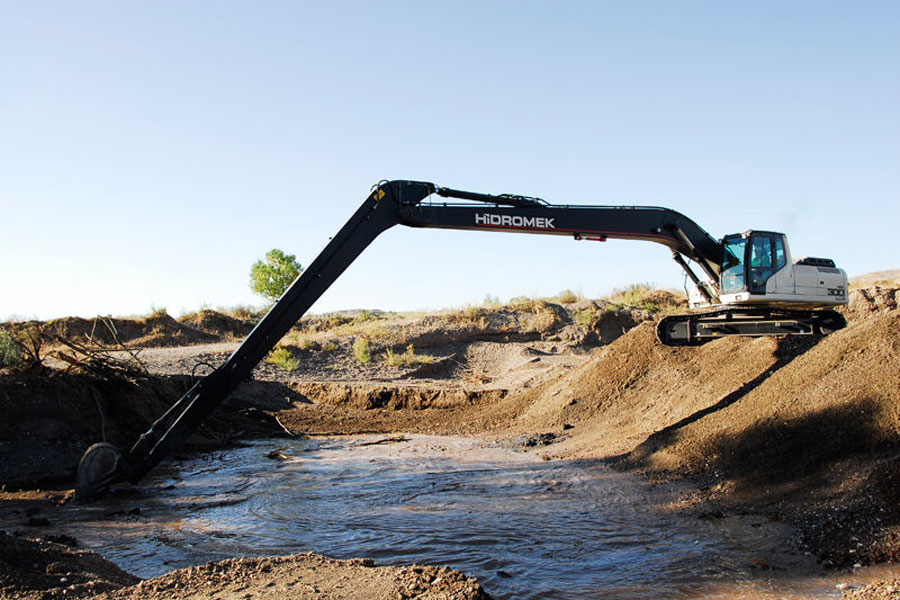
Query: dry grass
point(406, 359)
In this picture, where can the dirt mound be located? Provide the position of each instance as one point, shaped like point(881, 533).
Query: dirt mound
point(156, 330)
point(304, 576)
point(34, 568)
point(219, 325)
point(883, 590)
point(889, 278)
point(636, 386)
point(868, 301)
point(837, 398)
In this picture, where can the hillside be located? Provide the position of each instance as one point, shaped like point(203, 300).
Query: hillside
point(889, 278)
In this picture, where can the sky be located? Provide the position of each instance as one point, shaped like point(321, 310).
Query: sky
point(151, 152)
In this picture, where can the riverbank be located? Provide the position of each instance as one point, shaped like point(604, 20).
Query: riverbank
point(797, 431)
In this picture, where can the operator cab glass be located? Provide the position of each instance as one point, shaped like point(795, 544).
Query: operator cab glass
point(733, 264)
point(749, 260)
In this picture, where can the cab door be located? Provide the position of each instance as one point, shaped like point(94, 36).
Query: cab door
point(766, 255)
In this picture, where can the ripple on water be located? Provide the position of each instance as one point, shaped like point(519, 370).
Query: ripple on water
point(526, 528)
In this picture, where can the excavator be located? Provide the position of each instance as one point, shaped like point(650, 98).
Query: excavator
point(751, 287)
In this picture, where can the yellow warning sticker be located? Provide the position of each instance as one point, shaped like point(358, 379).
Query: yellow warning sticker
point(379, 194)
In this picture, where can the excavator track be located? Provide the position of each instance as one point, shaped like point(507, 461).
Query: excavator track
point(693, 329)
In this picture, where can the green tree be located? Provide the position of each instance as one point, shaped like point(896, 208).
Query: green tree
point(271, 276)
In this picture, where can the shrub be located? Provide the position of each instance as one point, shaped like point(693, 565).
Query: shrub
point(407, 359)
point(307, 344)
point(245, 312)
point(567, 297)
point(491, 301)
point(329, 346)
point(470, 314)
point(520, 303)
point(281, 358)
point(336, 321)
point(588, 316)
point(29, 339)
point(272, 276)
point(10, 353)
point(526, 304)
point(361, 350)
point(633, 295)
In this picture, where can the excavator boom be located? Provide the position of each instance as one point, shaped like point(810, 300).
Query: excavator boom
point(413, 203)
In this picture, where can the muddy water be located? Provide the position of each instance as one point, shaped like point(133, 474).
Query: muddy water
point(525, 528)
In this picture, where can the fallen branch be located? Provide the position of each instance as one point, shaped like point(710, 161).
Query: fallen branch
point(388, 440)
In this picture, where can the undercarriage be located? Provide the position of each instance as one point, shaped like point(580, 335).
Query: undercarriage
point(693, 329)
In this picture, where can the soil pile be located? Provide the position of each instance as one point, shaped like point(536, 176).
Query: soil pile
point(889, 278)
point(636, 386)
point(869, 301)
point(304, 576)
point(883, 590)
point(218, 325)
point(48, 570)
point(32, 569)
point(156, 330)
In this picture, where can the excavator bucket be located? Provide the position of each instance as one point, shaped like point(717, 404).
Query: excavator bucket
point(101, 464)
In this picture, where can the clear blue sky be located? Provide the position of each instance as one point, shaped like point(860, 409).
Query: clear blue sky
point(150, 152)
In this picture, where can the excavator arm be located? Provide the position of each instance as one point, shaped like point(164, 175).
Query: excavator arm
point(414, 204)
point(103, 464)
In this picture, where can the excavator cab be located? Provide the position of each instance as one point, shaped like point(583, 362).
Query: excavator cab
point(757, 269)
point(750, 259)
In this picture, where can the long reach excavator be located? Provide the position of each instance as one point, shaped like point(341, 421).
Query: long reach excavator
point(751, 287)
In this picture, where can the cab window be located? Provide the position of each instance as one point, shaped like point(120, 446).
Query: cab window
point(780, 255)
point(762, 262)
point(733, 265)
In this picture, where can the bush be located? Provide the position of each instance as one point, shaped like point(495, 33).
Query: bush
point(281, 358)
point(407, 359)
point(28, 340)
point(491, 301)
point(634, 295)
point(307, 344)
point(361, 350)
point(567, 297)
point(588, 316)
point(336, 320)
point(244, 312)
point(271, 277)
point(10, 353)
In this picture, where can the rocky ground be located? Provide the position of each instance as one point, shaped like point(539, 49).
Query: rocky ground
point(804, 431)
